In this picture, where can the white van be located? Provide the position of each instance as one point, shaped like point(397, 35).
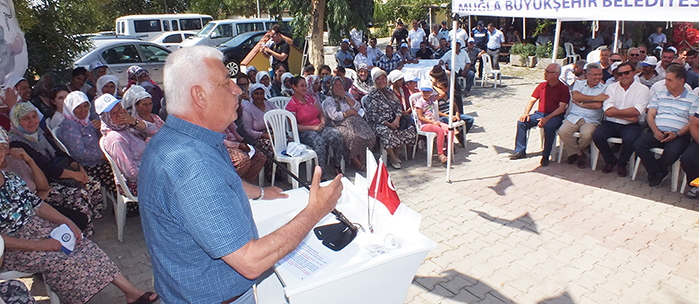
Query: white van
point(147, 27)
point(220, 31)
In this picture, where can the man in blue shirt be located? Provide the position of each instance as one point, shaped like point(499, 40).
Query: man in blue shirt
point(195, 212)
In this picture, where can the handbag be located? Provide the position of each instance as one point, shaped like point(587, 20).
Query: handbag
point(406, 122)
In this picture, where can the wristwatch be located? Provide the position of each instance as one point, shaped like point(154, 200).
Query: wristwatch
point(135, 123)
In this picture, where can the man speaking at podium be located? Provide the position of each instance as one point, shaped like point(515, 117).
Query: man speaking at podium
point(195, 212)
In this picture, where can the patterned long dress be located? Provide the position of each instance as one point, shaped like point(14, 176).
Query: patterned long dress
point(15, 292)
point(354, 129)
point(382, 106)
point(75, 277)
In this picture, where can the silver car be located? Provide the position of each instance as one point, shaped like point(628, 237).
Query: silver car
point(119, 54)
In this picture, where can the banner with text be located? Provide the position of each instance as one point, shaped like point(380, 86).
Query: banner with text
point(13, 48)
point(622, 10)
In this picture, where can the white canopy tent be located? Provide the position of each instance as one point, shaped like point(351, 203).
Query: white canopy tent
point(569, 10)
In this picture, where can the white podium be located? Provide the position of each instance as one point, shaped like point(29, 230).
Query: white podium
point(374, 268)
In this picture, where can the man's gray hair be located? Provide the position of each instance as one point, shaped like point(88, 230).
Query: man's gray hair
point(593, 65)
point(183, 70)
point(581, 63)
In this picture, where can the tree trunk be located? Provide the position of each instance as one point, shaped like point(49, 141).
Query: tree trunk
point(315, 47)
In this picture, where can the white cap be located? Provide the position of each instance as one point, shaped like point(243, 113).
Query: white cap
point(105, 103)
point(650, 61)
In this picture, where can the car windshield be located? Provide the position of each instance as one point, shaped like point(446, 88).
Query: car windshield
point(238, 40)
point(206, 30)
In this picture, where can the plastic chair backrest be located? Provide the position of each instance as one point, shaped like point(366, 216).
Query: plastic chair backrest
point(280, 101)
point(364, 101)
point(276, 122)
point(120, 179)
point(569, 49)
point(58, 141)
point(351, 74)
point(487, 64)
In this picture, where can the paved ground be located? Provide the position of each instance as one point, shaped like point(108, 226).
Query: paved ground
point(513, 232)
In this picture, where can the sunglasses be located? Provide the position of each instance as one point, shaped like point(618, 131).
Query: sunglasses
point(615, 60)
point(642, 51)
point(634, 55)
point(624, 73)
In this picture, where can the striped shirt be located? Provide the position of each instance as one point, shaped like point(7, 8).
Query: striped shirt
point(673, 112)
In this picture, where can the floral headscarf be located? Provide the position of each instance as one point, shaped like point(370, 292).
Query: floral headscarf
point(72, 101)
point(34, 139)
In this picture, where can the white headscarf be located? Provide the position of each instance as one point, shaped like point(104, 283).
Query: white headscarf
point(258, 77)
point(72, 101)
point(133, 95)
point(104, 80)
point(284, 77)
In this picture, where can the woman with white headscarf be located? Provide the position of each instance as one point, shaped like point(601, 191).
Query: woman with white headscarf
point(384, 113)
point(286, 85)
point(363, 84)
point(107, 84)
point(71, 186)
point(254, 123)
point(263, 79)
point(139, 104)
point(81, 138)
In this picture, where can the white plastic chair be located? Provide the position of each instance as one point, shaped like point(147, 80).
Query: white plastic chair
point(594, 153)
point(280, 101)
point(429, 139)
point(276, 122)
point(570, 53)
point(120, 202)
point(58, 141)
point(11, 275)
point(462, 82)
point(675, 174)
point(488, 70)
point(351, 74)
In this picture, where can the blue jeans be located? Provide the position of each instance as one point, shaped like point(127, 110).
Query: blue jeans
point(470, 80)
point(628, 133)
point(549, 132)
point(468, 119)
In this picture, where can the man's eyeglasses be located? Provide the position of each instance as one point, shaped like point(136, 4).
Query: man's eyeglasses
point(642, 51)
point(624, 73)
point(615, 60)
point(634, 55)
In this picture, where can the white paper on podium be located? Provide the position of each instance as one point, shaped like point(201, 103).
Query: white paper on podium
point(304, 261)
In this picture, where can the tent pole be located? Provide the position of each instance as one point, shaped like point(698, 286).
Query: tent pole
point(430, 16)
point(616, 37)
point(556, 40)
point(452, 80)
point(469, 27)
point(524, 28)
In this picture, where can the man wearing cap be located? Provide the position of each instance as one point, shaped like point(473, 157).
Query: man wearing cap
point(390, 61)
point(627, 101)
point(195, 209)
point(343, 56)
point(495, 38)
point(666, 58)
point(585, 114)
point(668, 117)
point(461, 66)
point(480, 35)
point(404, 54)
point(363, 57)
point(279, 52)
point(98, 70)
point(553, 97)
point(474, 55)
point(415, 36)
point(400, 34)
point(649, 76)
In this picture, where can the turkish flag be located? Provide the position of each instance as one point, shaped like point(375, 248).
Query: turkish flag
point(383, 190)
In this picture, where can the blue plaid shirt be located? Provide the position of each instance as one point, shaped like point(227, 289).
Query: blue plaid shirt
point(193, 211)
point(389, 64)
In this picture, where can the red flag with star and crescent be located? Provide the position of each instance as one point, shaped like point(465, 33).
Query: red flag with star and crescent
point(383, 190)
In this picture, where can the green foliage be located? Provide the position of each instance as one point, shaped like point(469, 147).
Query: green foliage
point(51, 29)
point(340, 16)
point(545, 51)
point(542, 24)
point(523, 49)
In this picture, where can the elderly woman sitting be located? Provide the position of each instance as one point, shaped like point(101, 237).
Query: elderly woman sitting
point(139, 103)
point(383, 113)
point(156, 93)
point(397, 84)
point(363, 84)
point(254, 123)
point(346, 113)
point(124, 140)
point(263, 79)
point(248, 167)
point(81, 138)
point(25, 225)
point(71, 186)
point(311, 123)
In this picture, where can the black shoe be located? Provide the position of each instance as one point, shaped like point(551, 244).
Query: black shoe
point(582, 163)
point(608, 168)
point(658, 179)
point(518, 155)
point(572, 159)
point(621, 171)
point(544, 161)
point(692, 193)
point(462, 139)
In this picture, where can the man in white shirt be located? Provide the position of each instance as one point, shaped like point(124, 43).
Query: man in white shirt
point(362, 57)
point(627, 100)
point(461, 66)
point(373, 52)
point(573, 72)
point(460, 34)
point(585, 114)
point(415, 36)
point(495, 38)
point(666, 58)
point(433, 39)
